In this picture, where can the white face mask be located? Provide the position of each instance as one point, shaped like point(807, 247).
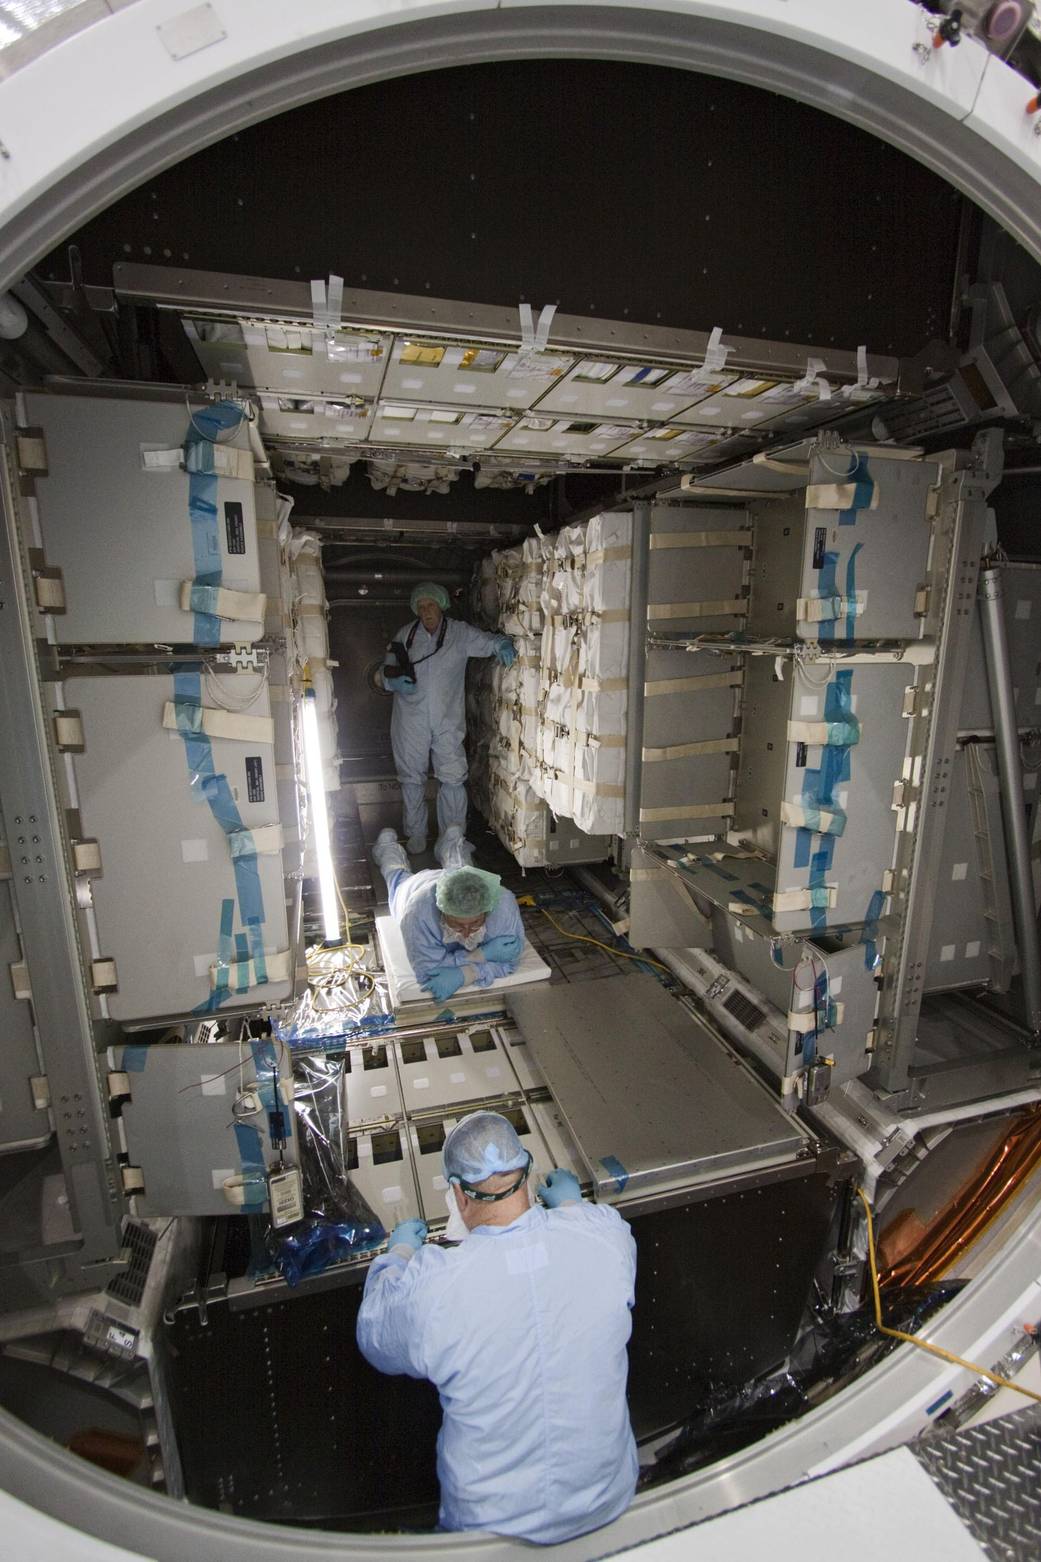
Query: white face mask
point(453, 936)
point(457, 1230)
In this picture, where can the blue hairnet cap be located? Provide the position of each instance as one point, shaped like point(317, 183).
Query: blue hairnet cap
point(467, 892)
point(481, 1145)
point(429, 591)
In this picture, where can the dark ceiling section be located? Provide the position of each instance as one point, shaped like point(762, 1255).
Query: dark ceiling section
point(624, 192)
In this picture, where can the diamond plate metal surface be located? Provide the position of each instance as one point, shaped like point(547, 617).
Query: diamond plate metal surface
point(991, 1476)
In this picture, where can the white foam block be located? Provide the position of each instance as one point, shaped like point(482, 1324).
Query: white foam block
point(401, 980)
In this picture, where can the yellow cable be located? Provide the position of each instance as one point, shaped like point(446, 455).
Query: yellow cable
point(912, 1339)
point(584, 938)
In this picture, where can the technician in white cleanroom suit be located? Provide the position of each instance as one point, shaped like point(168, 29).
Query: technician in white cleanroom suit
point(523, 1331)
point(429, 715)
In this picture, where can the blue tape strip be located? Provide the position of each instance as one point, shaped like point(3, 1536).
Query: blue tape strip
point(241, 963)
point(216, 791)
point(256, 949)
point(827, 586)
point(225, 955)
point(134, 1059)
point(863, 492)
point(820, 863)
point(254, 1169)
point(203, 432)
point(248, 1135)
point(203, 599)
point(869, 936)
point(713, 867)
point(614, 1168)
point(814, 825)
point(819, 788)
point(851, 590)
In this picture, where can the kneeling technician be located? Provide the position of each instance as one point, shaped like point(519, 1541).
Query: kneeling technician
point(522, 1329)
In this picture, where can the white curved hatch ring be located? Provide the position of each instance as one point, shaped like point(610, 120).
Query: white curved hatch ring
point(145, 86)
point(158, 79)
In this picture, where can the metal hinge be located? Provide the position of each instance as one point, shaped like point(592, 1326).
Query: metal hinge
point(103, 976)
point(48, 583)
point(922, 598)
point(20, 984)
point(31, 447)
point(86, 856)
point(118, 1084)
point(68, 731)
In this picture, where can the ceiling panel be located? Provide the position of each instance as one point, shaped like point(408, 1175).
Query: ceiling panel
point(470, 374)
point(567, 436)
point(293, 357)
point(398, 423)
point(306, 418)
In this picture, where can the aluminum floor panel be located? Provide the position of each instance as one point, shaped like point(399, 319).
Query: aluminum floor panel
point(674, 1103)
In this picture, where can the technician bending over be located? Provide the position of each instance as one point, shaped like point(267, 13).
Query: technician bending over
point(459, 924)
point(523, 1331)
point(429, 715)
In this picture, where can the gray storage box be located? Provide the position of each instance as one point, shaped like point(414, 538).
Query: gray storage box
point(121, 534)
point(193, 1155)
point(777, 766)
point(168, 884)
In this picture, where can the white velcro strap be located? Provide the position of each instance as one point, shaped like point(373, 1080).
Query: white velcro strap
point(591, 788)
point(690, 811)
point(242, 973)
point(805, 1021)
point(819, 610)
point(820, 898)
point(689, 750)
point(607, 555)
point(836, 734)
point(823, 821)
point(261, 842)
point(695, 685)
point(731, 539)
point(839, 496)
point(182, 716)
point(595, 685)
point(221, 460)
point(716, 609)
point(775, 464)
point(222, 602)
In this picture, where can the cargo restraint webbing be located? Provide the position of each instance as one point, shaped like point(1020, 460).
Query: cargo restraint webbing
point(202, 437)
point(216, 791)
point(819, 788)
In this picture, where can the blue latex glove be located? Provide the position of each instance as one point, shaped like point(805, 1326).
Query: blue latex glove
point(560, 1187)
point(506, 947)
point(410, 1233)
point(506, 651)
point(445, 982)
point(395, 685)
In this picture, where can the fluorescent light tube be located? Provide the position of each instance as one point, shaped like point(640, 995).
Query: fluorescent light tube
point(320, 819)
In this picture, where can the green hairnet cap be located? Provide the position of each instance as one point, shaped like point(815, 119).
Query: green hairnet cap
point(467, 892)
point(429, 591)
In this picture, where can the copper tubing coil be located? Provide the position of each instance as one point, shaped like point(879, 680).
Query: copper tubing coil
point(976, 1205)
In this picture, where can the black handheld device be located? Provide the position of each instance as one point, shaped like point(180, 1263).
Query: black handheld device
point(399, 663)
